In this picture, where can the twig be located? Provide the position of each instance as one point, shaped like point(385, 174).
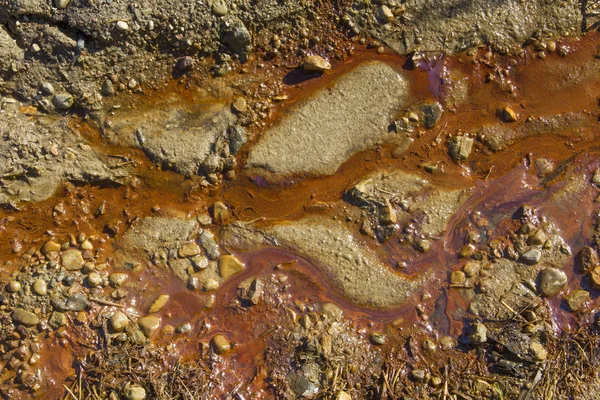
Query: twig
point(106, 303)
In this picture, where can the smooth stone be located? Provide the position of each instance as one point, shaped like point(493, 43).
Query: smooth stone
point(418, 375)
point(159, 303)
point(531, 257)
point(189, 250)
point(24, 317)
point(94, 279)
point(239, 105)
point(40, 287)
point(61, 4)
point(63, 101)
point(135, 392)
point(219, 8)
point(220, 344)
point(552, 281)
point(14, 287)
point(457, 278)
point(538, 351)
point(72, 260)
point(230, 265)
point(210, 284)
point(148, 325)
point(49, 247)
point(384, 14)
point(118, 321)
point(108, 88)
point(577, 299)
point(117, 279)
point(87, 245)
point(507, 114)
point(377, 338)
point(595, 276)
point(316, 63)
point(47, 88)
point(220, 212)
point(122, 26)
point(76, 302)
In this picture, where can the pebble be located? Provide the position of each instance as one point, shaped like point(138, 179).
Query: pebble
point(122, 26)
point(40, 287)
point(377, 338)
point(108, 88)
point(63, 101)
point(159, 303)
point(595, 275)
point(61, 4)
point(447, 343)
point(507, 114)
point(135, 392)
point(14, 287)
point(132, 84)
point(117, 279)
point(230, 265)
point(478, 334)
point(189, 250)
point(220, 344)
point(538, 351)
point(184, 63)
point(210, 284)
point(537, 238)
point(87, 245)
point(343, 396)
point(148, 325)
point(193, 283)
point(457, 278)
point(596, 178)
point(332, 311)
point(118, 321)
point(220, 212)
point(316, 63)
point(552, 281)
point(531, 257)
point(577, 299)
point(432, 112)
point(587, 259)
point(384, 14)
point(76, 302)
point(49, 247)
point(219, 8)
point(72, 260)
point(418, 375)
point(57, 319)
point(47, 88)
point(24, 317)
point(459, 148)
point(183, 328)
point(239, 105)
point(94, 279)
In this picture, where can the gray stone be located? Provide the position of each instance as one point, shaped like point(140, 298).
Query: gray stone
point(23, 317)
point(76, 302)
point(302, 386)
point(63, 101)
point(432, 112)
point(122, 26)
point(47, 89)
point(459, 148)
point(208, 243)
point(552, 281)
point(237, 138)
point(108, 88)
point(531, 257)
point(418, 375)
point(117, 279)
point(236, 36)
point(316, 63)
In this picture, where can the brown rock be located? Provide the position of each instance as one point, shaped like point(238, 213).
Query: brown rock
point(148, 325)
point(230, 265)
point(49, 247)
point(72, 260)
point(159, 303)
point(507, 114)
point(189, 250)
point(587, 259)
point(595, 275)
point(577, 299)
point(220, 344)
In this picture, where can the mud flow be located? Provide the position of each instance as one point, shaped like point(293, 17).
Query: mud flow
point(337, 223)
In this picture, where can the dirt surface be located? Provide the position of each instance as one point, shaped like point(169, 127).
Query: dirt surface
point(280, 200)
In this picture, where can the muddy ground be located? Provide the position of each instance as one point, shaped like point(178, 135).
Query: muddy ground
point(299, 199)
